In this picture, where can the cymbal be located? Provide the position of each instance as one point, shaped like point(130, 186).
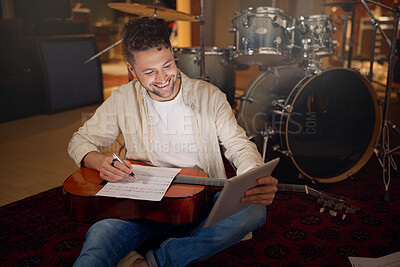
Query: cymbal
point(349, 3)
point(148, 11)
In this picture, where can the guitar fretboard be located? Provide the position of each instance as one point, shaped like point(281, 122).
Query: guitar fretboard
point(293, 188)
point(219, 182)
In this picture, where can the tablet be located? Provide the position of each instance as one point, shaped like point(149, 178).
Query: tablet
point(228, 202)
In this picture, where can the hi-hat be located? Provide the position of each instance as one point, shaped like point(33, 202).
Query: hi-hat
point(148, 11)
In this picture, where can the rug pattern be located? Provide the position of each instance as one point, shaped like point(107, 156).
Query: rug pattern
point(36, 232)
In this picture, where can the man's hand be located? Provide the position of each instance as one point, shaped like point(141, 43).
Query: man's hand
point(263, 193)
point(102, 163)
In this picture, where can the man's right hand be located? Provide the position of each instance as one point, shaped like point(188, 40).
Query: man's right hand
point(102, 163)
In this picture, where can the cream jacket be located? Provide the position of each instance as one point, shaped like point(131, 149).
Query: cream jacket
point(214, 124)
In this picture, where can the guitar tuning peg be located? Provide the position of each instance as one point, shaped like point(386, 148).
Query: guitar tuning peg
point(343, 217)
point(333, 213)
point(321, 210)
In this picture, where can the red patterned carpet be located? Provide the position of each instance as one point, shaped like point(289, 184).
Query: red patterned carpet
point(35, 231)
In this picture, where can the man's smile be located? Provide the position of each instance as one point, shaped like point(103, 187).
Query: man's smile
point(164, 85)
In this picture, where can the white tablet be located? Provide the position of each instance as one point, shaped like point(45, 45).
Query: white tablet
point(228, 202)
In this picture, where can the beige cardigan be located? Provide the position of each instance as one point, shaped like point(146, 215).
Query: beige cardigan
point(126, 112)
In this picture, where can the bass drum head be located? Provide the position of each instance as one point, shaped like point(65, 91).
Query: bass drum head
point(333, 125)
point(328, 129)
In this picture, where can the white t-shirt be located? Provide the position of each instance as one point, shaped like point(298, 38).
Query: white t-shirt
point(173, 138)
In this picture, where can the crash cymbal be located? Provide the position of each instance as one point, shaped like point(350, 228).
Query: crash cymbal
point(348, 3)
point(148, 11)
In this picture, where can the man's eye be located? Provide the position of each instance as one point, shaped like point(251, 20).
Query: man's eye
point(149, 73)
point(167, 66)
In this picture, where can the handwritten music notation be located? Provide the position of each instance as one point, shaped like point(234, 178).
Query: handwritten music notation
point(151, 183)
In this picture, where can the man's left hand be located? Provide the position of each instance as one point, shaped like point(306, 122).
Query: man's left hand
point(263, 193)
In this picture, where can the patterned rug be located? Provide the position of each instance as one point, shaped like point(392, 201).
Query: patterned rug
point(36, 232)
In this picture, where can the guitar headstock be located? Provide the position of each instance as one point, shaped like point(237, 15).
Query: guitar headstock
point(335, 203)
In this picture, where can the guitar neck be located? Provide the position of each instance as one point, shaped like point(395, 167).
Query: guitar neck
point(219, 182)
point(296, 188)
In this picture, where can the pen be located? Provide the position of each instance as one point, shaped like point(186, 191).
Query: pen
point(117, 158)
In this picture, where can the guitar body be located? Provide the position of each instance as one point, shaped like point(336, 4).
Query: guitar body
point(180, 204)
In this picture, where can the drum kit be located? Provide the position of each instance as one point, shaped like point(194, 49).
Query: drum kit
point(326, 122)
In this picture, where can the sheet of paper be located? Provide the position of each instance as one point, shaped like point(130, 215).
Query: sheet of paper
point(151, 183)
point(391, 260)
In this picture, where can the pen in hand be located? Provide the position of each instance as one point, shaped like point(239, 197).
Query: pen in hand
point(120, 160)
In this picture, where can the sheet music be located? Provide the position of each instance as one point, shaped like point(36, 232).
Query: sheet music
point(151, 183)
point(391, 260)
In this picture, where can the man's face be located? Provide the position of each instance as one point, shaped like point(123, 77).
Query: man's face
point(156, 70)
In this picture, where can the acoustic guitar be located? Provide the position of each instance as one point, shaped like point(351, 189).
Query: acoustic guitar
point(188, 198)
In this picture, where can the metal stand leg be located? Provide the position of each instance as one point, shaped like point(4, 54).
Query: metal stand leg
point(267, 133)
point(383, 150)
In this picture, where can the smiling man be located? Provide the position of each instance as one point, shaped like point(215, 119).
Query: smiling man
point(167, 119)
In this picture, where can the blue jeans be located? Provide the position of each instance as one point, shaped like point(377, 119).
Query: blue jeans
point(108, 241)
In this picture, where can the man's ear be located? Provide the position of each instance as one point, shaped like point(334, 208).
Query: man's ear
point(131, 69)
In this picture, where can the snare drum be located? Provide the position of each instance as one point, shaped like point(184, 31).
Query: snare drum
point(219, 67)
point(261, 36)
point(314, 34)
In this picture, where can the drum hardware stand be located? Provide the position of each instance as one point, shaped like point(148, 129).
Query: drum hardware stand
point(375, 26)
point(287, 108)
point(102, 52)
point(312, 66)
point(202, 43)
point(244, 98)
point(266, 134)
point(347, 7)
point(382, 149)
point(284, 152)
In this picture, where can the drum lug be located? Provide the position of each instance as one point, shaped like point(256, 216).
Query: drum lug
point(277, 21)
point(287, 108)
point(176, 59)
point(284, 152)
point(269, 132)
point(245, 42)
point(277, 41)
point(246, 21)
point(223, 62)
point(303, 26)
point(196, 61)
point(244, 98)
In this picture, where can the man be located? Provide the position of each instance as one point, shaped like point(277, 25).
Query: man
point(167, 119)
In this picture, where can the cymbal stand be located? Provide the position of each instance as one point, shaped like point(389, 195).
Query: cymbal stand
point(202, 43)
point(375, 26)
point(382, 149)
point(347, 9)
point(156, 3)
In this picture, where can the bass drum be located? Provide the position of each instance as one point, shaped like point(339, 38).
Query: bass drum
point(327, 124)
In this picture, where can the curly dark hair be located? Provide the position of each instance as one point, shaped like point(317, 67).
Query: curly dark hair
point(142, 34)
